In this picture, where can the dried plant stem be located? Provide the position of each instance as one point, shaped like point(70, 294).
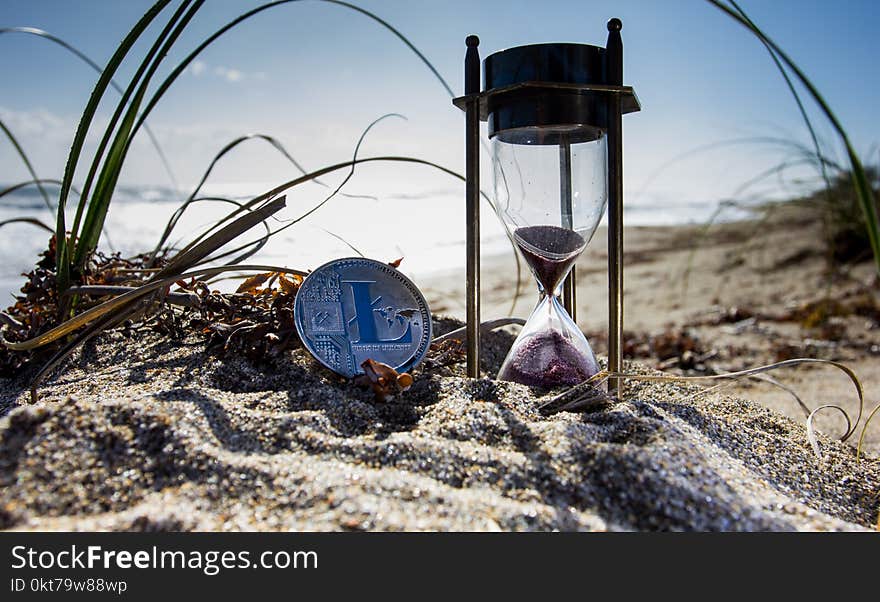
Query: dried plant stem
point(758, 370)
point(28, 220)
point(865, 429)
point(586, 393)
point(487, 326)
point(183, 299)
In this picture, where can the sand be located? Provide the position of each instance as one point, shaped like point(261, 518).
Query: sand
point(151, 434)
point(682, 279)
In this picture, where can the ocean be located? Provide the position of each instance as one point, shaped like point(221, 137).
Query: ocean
point(427, 232)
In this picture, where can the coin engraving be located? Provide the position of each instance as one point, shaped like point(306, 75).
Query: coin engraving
point(353, 309)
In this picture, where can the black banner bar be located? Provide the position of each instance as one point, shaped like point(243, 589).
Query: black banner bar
point(130, 566)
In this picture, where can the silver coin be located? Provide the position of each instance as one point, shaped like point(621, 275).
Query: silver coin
point(353, 309)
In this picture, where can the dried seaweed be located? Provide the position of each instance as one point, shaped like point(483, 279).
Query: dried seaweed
point(36, 307)
point(253, 322)
point(384, 380)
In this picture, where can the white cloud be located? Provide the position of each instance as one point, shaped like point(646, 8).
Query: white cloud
point(36, 122)
point(230, 75)
point(45, 137)
point(197, 68)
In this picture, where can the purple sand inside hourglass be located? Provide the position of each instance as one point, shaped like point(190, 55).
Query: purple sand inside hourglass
point(549, 360)
point(550, 250)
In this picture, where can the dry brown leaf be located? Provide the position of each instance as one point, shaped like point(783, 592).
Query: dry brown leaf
point(290, 286)
point(253, 282)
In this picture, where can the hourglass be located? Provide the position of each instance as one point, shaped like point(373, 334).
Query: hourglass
point(551, 215)
point(554, 121)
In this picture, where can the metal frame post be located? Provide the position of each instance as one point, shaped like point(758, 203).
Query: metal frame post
point(472, 202)
point(614, 50)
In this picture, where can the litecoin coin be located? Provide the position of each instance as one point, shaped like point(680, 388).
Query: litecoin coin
point(353, 309)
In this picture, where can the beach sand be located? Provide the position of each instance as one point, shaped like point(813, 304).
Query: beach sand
point(149, 434)
point(726, 287)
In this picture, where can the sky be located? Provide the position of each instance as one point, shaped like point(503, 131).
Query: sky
point(314, 75)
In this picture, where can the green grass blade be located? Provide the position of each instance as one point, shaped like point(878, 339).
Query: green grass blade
point(100, 203)
point(178, 213)
point(307, 178)
point(797, 97)
point(321, 172)
point(216, 199)
point(194, 254)
point(118, 114)
point(109, 129)
point(28, 165)
point(63, 250)
point(259, 243)
point(343, 241)
point(866, 201)
point(354, 157)
point(702, 149)
point(402, 38)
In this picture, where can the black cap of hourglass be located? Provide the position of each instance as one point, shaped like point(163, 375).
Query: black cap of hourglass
point(539, 115)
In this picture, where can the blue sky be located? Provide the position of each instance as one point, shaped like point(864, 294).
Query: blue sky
point(314, 75)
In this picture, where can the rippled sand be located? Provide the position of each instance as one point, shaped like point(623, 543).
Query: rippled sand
point(151, 435)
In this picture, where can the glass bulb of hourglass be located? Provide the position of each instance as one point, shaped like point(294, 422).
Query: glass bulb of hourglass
point(550, 194)
point(550, 350)
point(550, 252)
